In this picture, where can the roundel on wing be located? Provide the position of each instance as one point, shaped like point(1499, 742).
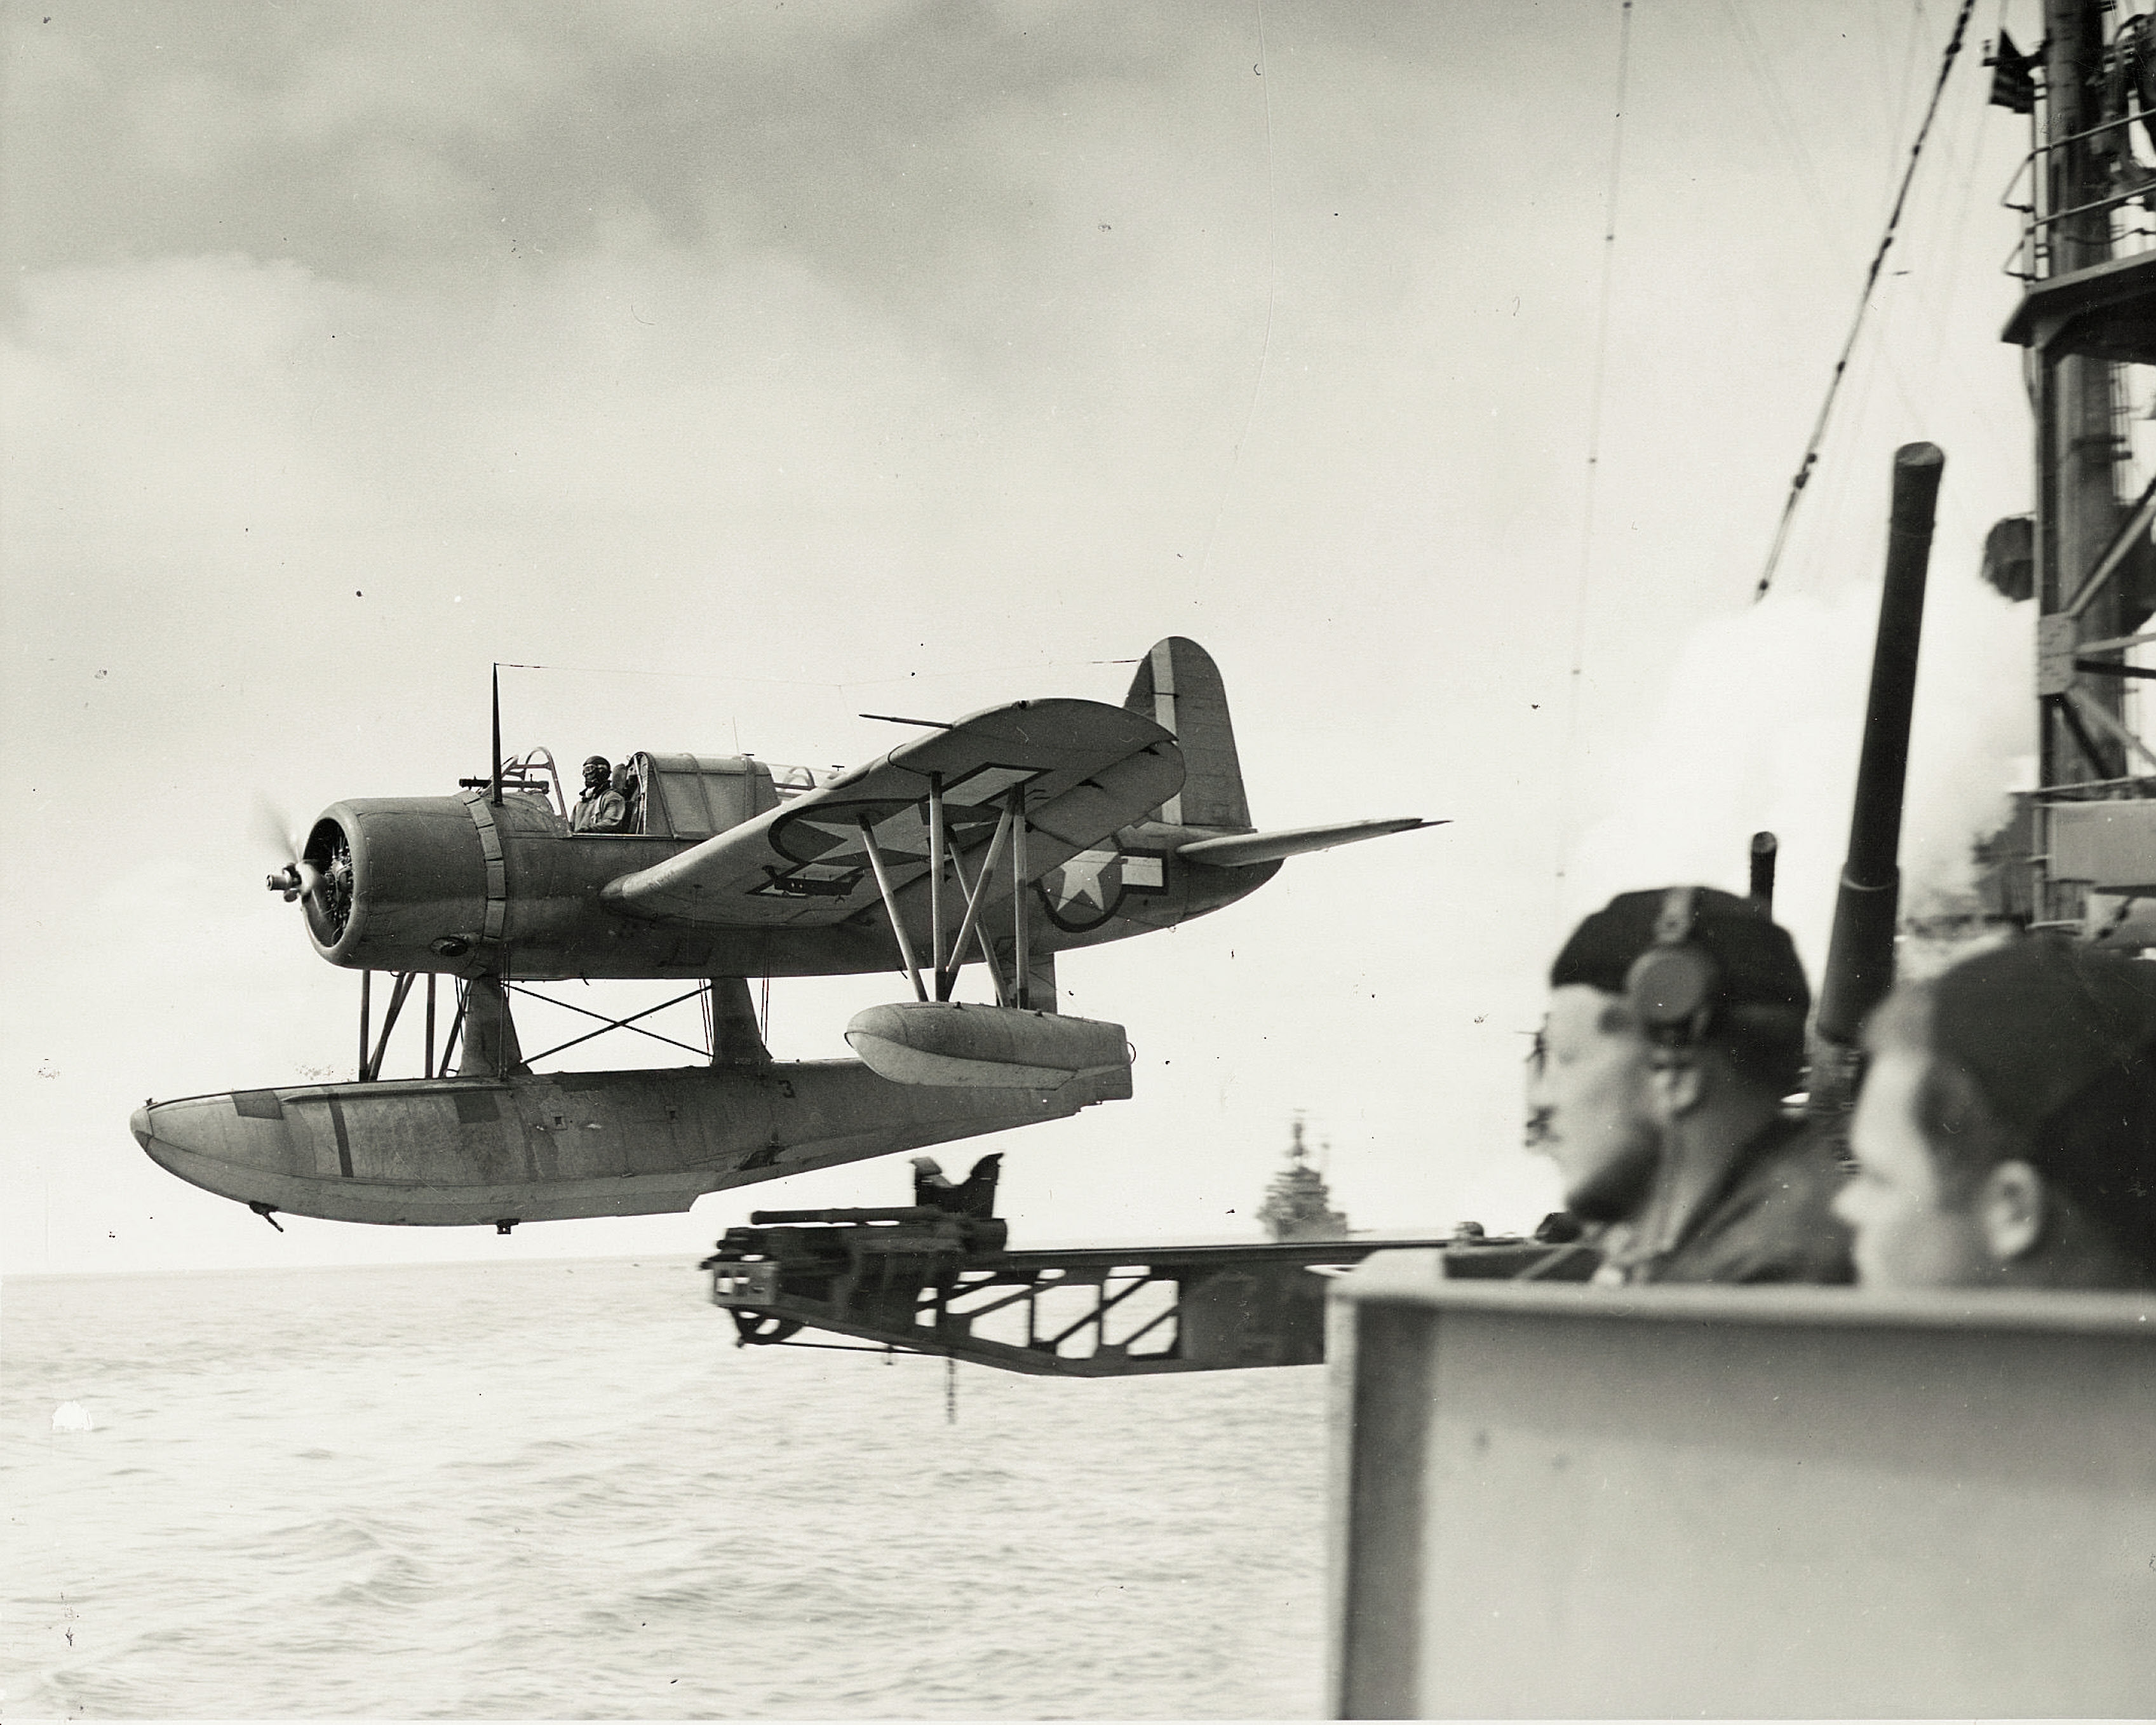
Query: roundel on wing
point(1083, 892)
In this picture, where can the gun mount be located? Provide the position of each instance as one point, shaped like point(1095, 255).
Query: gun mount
point(922, 1280)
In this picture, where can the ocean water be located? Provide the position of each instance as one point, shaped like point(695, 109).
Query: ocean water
point(559, 1490)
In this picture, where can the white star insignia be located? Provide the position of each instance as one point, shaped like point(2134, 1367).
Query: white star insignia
point(902, 834)
point(1081, 878)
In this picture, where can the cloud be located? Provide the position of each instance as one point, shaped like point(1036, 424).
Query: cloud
point(737, 353)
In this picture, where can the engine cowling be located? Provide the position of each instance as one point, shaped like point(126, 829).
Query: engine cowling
point(404, 883)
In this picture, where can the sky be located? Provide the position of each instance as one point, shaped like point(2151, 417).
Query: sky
point(751, 366)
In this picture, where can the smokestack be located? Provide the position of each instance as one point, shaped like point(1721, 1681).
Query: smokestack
point(1859, 965)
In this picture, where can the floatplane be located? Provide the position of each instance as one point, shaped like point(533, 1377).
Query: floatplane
point(993, 841)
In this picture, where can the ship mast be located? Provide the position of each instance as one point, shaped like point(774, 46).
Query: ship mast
point(2088, 833)
point(2077, 448)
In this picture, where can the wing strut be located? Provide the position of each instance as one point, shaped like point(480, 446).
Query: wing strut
point(890, 905)
point(971, 924)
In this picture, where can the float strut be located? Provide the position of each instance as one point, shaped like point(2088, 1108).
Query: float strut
point(936, 880)
point(1021, 960)
point(970, 924)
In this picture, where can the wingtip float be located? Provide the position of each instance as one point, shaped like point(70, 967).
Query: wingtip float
point(993, 842)
point(949, 1042)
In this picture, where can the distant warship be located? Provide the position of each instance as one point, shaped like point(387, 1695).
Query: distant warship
point(1297, 1206)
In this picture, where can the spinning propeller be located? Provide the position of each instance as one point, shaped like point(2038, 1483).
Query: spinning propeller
point(300, 878)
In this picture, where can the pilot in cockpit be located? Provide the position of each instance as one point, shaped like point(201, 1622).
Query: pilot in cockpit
point(602, 808)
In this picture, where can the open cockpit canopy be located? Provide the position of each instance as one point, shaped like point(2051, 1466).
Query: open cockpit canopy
point(694, 796)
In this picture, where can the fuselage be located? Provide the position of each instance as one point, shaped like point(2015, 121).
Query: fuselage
point(466, 887)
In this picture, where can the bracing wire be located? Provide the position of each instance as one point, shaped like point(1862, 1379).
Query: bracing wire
point(1804, 473)
point(1784, 121)
point(734, 676)
point(1260, 70)
point(1594, 421)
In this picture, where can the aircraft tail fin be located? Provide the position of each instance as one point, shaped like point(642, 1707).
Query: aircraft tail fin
point(1179, 687)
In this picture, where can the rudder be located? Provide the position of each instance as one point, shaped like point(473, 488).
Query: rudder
point(1179, 687)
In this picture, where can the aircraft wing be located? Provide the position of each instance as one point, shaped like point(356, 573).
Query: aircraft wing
point(1086, 770)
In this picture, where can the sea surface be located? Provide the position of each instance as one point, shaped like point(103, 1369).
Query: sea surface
point(560, 1490)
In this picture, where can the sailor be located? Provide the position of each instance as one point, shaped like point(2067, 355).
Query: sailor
point(2006, 1132)
point(1587, 1093)
point(1738, 1191)
point(602, 808)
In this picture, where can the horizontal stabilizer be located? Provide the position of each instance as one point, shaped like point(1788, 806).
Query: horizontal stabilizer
point(1241, 849)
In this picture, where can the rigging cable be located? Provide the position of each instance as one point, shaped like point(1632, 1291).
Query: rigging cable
point(1863, 302)
point(1784, 121)
point(1594, 434)
point(1876, 366)
point(1900, 88)
point(1935, 276)
point(1258, 69)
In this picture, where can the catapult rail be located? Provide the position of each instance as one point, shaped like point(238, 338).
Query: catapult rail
point(929, 1283)
point(1307, 1254)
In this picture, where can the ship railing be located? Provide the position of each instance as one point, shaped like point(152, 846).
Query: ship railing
point(2130, 787)
point(2033, 258)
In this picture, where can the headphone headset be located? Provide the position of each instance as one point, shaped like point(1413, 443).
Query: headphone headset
point(1672, 985)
